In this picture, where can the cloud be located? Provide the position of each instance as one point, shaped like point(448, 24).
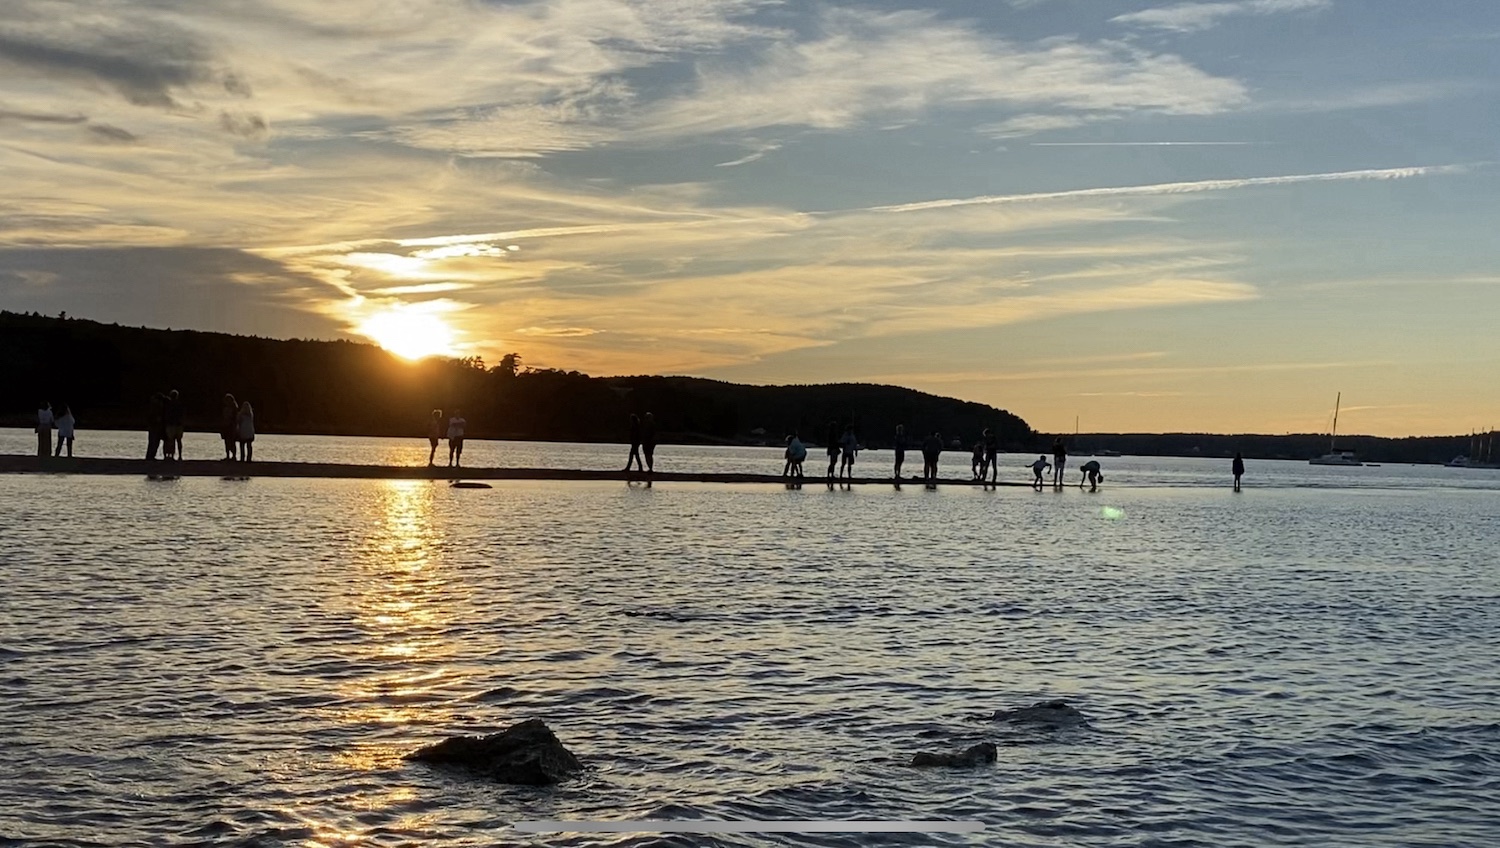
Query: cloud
point(1192, 17)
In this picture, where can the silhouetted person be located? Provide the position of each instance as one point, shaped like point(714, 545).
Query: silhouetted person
point(635, 445)
point(172, 426)
point(436, 429)
point(1238, 468)
point(976, 461)
point(229, 425)
point(1039, 468)
point(65, 425)
point(848, 449)
point(992, 454)
point(156, 423)
point(44, 424)
point(831, 444)
point(899, 444)
point(244, 431)
point(1059, 459)
point(1091, 475)
point(456, 426)
point(648, 440)
point(932, 449)
point(796, 453)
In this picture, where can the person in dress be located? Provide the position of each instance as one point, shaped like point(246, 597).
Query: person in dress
point(635, 445)
point(229, 425)
point(435, 433)
point(65, 425)
point(44, 424)
point(456, 426)
point(1238, 468)
point(245, 431)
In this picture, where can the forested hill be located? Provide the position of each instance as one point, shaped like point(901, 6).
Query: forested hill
point(106, 373)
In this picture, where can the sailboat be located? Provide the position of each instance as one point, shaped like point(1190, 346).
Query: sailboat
point(1480, 455)
point(1336, 455)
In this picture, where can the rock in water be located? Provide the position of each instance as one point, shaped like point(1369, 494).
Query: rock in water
point(974, 755)
point(528, 753)
point(1056, 713)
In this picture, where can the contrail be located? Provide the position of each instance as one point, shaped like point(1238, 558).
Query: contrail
point(1177, 188)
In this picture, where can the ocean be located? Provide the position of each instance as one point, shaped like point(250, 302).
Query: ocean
point(1311, 661)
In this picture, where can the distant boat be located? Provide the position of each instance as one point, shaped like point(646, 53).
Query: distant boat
point(1480, 455)
point(1336, 455)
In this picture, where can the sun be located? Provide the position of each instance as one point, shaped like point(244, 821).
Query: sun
point(409, 333)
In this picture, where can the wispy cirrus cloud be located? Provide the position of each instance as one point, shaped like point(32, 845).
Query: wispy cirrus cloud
point(1191, 17)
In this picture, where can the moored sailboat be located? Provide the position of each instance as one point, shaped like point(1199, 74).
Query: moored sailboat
point(1336, 455)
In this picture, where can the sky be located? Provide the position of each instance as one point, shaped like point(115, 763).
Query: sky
point(1114, 215)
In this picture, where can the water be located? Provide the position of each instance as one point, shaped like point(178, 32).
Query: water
point(1309, 662)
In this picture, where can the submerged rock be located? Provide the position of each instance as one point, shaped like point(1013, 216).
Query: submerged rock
point(1056, 713)
point(974, 755)
point(527, 753)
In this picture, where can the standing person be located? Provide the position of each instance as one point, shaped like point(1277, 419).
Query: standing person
point(992, 454)
point(900, 445)
point(1091, 474)
point(244, 431)
point(831, 445)
point(1059, 459)
point(635, 445)
point(976, 462)
point(932, 448)
point(229, 425)
point(848, 449)
point(172, 427)
point(1039, 468)
point(44, 424)
point(65, 432)
point(435, 433)
point(456, 426)
point(1238, 468)
point(648, 441)
point(156, 423)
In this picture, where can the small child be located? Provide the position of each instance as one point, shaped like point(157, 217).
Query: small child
point(979, 466)
point(796, 452)
point(1039, 468)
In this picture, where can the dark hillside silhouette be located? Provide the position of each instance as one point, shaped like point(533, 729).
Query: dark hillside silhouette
point(107, 372)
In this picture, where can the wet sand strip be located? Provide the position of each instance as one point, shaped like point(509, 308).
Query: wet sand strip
point(220, 468)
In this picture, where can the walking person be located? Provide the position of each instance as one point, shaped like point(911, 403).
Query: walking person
point(44, 424)
point(172, 427)
point(635, 445)
point(848, 449)
point(648, 441)
point(435, 433)
point(1238, 468)
point(229, 425)
point(244, 431)
point(1059, 459)
point(156, 423)
point(1091, 475)
point(900, 446)
point(456, 426)
point(65, 425)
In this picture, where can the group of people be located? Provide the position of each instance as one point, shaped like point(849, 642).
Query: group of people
point(643, 443)
point(237, 429)
point(46, 422)
point(164, 427)
point(453, 430)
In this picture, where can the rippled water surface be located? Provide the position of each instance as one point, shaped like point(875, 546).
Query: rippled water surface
point(1309, 662)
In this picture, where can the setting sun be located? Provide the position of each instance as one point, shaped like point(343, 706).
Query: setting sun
point(409, 333)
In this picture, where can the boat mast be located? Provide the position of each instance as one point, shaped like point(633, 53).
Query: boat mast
point(1333, 436)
